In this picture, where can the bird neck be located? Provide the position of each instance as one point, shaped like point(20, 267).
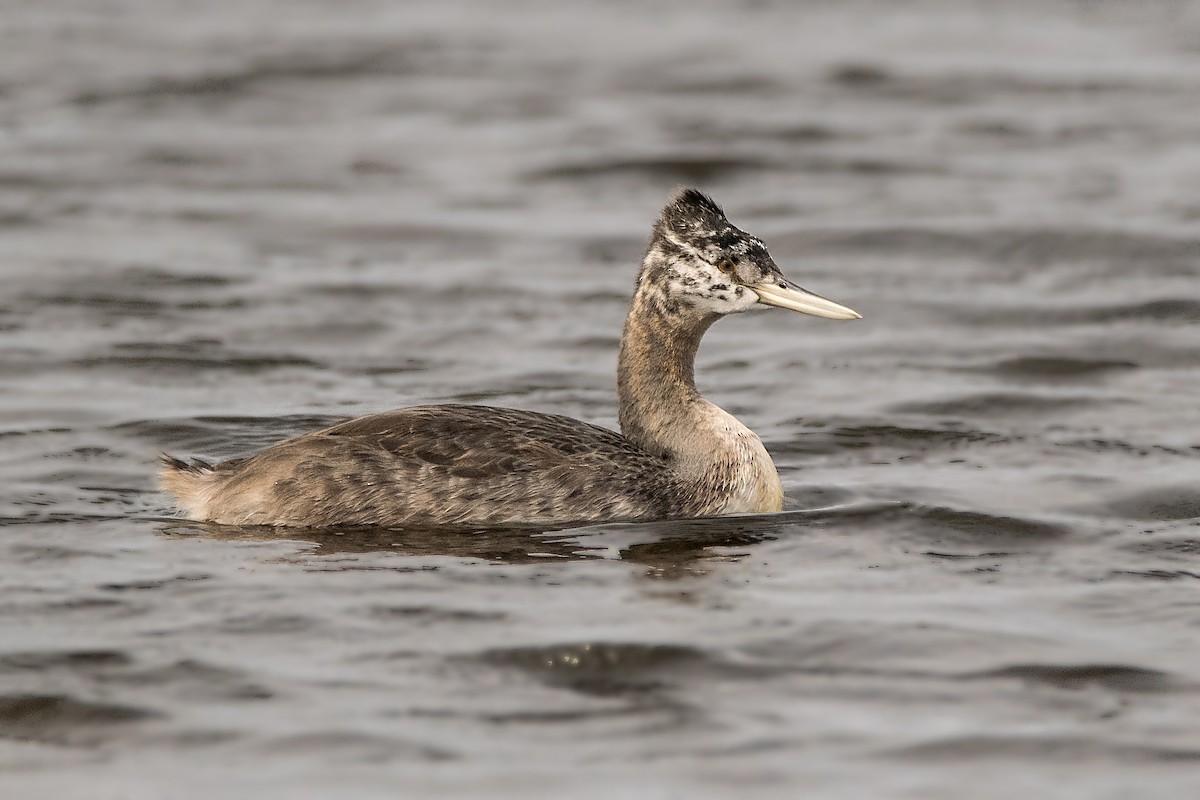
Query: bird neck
point(722, 461)
point(656, 383)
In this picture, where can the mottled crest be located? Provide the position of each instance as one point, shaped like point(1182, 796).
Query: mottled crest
point(691, 211)
point(698, 263)
point(694, 224)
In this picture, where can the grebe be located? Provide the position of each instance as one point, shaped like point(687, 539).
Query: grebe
point(677, 455)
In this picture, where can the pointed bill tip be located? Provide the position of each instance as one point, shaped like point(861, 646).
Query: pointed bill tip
point(794, 298)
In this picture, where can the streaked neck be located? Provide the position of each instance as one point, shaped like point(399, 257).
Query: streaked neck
point(722, 461)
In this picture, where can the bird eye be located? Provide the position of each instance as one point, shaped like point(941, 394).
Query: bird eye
point(726, 266)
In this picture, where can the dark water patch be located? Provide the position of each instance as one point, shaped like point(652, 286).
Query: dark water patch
point(1158, 574)
point(1167, 547)
point(820, 496)
point(960, 87)
point(42, 553)
point(1035, 749)
point(859, 75)
point(371, 166)
point(26, 180)
point(1054, 369)
point(894, 649)
point(190, 356)
point(149, 277)
point(1117, 677)
point(86, 604)
point(1166, 310)
point(1158, 503)
point(1174, 309)
point(72, 660)
point(703, 527)
point(69, 605)
point(34, 432)
point(672, 556)
point(997, 404)
point(1022, 246)
point(844, 512)
point(106, 307)
point(193, 680)
point(672, 547)
point(870, 436)
point(18, 219)
point(282, 423)
point(138, 288)
point(886, 240)
point(193, 738)
point(369, 568)
point(394, 655)
point(972, 556)
point(596, 297)
point(62, 719)
point(519, 387)
point(352, 747)
point(260, 624)
point(162, 364)
point(566, 717)
point(89, 452)
point(230, 304)
point(1100, 445)
point(681, 169)
point(117, 493)
point(711, 169)
point(611, 250)
point(805, 132)
point(177, 157)
point(301, 66)
point(155, 583)
point(392, 240)
point(117, 305)
point(825, 163)
point(434, 615)
point(1150, 349)
point(989, 526)
point(53, 517)
point(867, 166)
point(946, 533)
point(735, 84)
point(1023, 134)
point(501, 545)
point(605, 669)
point(223, 436)
point(994, 128)
point(792, 133)
point(604, 344)
point(398, 366)
point(361, 290)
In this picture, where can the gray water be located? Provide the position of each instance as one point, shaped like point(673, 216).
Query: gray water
point(220, 226)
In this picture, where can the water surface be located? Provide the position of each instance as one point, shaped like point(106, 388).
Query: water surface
point(220, 229)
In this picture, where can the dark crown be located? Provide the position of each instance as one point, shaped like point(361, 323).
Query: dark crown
point(691, 211)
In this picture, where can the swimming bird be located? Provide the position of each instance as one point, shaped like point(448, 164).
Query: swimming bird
point(677, 455)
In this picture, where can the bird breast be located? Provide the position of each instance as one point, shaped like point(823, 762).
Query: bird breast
point(743, 475)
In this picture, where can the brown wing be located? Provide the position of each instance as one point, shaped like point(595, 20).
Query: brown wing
point(482, 441)
point(459, 464)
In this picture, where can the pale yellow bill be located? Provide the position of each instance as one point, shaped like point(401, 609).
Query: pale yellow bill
point(796, 299)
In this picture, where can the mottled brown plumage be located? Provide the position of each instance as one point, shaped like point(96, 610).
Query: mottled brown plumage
point(678, 456)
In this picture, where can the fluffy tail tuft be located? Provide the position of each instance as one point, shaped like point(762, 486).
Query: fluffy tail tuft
point(197, 465)
point(189, 481)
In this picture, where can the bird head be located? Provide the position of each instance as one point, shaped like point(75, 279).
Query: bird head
point(699, 263)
